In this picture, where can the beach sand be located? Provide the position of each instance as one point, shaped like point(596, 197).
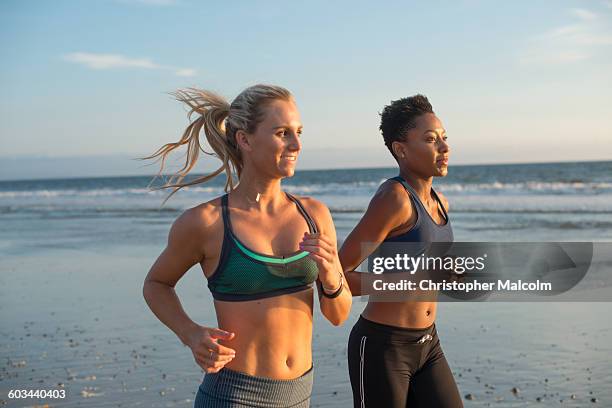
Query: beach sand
point(75, 320)
point(74, 254)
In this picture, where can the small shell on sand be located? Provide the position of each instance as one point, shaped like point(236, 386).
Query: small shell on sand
point(88, 392)
point(16, 364)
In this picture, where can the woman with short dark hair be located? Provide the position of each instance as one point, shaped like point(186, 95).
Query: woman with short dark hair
point(395, 358)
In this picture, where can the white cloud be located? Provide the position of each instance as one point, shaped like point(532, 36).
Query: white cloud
point(583, 14)
point(579, 35)
point(554, 58)
point(578, 41)
point(117, 61)
point(186, 72)
point(106, 61)
point(564, 30)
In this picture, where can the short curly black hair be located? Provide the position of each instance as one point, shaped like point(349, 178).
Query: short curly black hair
point(399, 116)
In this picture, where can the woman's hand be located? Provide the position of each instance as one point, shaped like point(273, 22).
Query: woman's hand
point(325, 253)
point(334, 295)
point(208, 353)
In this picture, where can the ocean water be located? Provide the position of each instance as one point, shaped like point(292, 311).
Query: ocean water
point(74, 253)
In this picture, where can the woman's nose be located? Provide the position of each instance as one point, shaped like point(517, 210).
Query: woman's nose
point(295, 144)
point(443, 146)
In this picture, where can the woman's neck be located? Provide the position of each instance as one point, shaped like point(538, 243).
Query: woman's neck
point(258, 193)
point(422, 186)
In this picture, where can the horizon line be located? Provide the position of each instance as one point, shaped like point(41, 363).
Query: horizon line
point(304, 170)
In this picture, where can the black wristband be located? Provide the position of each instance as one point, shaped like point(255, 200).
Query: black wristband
point(335, 294)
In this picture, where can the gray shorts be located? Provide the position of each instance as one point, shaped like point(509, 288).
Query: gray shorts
point(233, 389)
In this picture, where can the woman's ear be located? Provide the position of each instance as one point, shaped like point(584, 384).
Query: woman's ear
point(398, 149)
point(242, 140)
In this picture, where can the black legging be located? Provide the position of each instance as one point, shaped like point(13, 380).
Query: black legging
point(393, 367)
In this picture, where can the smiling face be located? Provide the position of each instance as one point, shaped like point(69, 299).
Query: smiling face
point(425, 150)
point(273, 148)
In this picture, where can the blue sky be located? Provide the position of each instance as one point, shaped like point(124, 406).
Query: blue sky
point(517, 81)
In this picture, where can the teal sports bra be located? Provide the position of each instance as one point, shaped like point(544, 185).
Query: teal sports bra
point(243, 274)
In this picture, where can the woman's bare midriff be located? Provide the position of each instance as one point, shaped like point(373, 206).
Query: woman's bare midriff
point(273, 336)
point(412, 315)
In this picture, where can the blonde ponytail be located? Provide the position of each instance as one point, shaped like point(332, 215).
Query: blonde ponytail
point(220, 122)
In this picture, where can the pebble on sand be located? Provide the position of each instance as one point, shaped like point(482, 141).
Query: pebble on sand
point(88, 392)
point(16, 364)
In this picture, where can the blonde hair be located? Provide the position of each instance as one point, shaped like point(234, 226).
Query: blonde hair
point(220, 121)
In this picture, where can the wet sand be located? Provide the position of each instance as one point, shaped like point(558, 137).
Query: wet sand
point(73, 320)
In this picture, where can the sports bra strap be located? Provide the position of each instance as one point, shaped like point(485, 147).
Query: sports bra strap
point(312, 226)
point(409, 188)
point(441, 205)
point(225, 213)
point(404, 183)
point(413, 193)
point(228, 224)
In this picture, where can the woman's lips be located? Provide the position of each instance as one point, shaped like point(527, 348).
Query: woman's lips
point(289, 158)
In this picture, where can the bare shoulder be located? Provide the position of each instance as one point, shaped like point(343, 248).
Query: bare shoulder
point(314, 206)
point(392, 197)
point(197, 221)
point(207, 213)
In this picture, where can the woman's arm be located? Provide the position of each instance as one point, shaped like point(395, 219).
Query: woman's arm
point(184, 250)
point(323, 248)
point(388, 210)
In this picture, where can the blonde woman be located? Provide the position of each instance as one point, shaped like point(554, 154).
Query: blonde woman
point(260, 248)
